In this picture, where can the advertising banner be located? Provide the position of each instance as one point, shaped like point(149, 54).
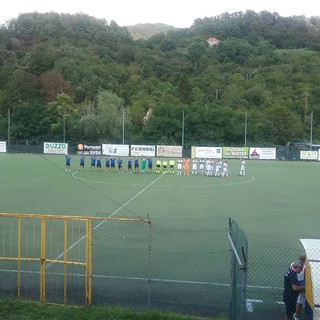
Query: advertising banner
point(3, 146)
point(115, 150)
point(235, 152)
point(206, 152)
point(308, 155)
point(142, 150)
point(169, 151)
point(262, 153)
point(88, 150)
point(55, 148)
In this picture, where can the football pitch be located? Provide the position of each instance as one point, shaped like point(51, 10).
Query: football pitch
point(276, 203)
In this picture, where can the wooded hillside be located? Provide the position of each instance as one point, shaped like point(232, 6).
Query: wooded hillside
point(77, 78)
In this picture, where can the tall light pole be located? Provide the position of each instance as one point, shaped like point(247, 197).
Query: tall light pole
point(123, 126)
point(9, 124)
point(311, 129)
point(182, 130)
point(64, 126)
point(245, 127)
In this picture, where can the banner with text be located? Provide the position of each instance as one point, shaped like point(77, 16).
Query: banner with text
point(55, 148)
point(206, 152)
point(235, 152)
point(262, 153)
point(115, 150)
point(3, 146)
point(169, 151)
point(89, 150)
point(142, 150)
point(308, 155)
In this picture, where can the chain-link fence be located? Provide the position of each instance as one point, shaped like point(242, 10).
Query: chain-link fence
point(182, 265)
point(186, 266)
point(178, 265)
point(266, 269)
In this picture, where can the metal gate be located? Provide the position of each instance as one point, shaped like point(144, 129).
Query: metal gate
point(47, 257)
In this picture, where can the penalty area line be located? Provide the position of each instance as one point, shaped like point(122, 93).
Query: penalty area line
point(110, 216)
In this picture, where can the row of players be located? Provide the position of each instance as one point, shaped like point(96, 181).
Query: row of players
point(209, 167)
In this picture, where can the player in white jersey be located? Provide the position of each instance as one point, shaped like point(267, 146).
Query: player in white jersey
point(179, 167)
point(201, 166)
point(225, 170)
point(208, 165)
point(242, 167)
point(194, 171)
point(211, 167)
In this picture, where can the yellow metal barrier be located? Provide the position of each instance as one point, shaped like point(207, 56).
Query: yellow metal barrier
point(50, 240)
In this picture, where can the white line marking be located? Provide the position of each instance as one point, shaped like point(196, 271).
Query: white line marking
point(110, 216)
point(127, 278)
point(250, 302)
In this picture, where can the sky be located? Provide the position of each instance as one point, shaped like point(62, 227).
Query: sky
point(178, 13)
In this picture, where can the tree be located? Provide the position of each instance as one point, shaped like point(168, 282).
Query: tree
point(53, 84)
point(63, 108)
point(185, 89)
point(111, 116)
point(164, 126)
point(20, 88)
point(281, 125)
point(237, 50)
point(196, 49)
point(40, 59)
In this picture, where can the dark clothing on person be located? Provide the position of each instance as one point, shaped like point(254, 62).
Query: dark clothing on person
point(289, 295)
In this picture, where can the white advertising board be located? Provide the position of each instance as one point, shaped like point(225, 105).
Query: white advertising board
point(308, 155)
point(55, 148)
point(169, 151)
point(262, 153)
point(206, 152)
point(115, 150)
point(142, 150)
point(3, 146)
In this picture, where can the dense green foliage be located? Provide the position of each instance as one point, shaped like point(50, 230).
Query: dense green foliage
point(77, 78)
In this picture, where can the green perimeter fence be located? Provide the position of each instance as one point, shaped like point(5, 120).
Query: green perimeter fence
point(282, 152)
point(199, 267)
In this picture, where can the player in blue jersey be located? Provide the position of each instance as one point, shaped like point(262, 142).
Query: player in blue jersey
point(113, 163)
point(68, 162)
point(93, 163)
point(107, 164)
point(120, 165)
point(129, 165)
point(136, 165)
point(149, 165)
point(82, 158)
point(99, 163)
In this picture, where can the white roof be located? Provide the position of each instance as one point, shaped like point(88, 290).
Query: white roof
point(312, 249)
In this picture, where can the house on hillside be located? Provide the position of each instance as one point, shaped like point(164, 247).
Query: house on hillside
point(212, 42)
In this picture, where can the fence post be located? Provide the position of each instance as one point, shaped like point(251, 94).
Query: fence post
point(149, 263)
point(88, 261)
point(43, 260)
point(238, 240)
